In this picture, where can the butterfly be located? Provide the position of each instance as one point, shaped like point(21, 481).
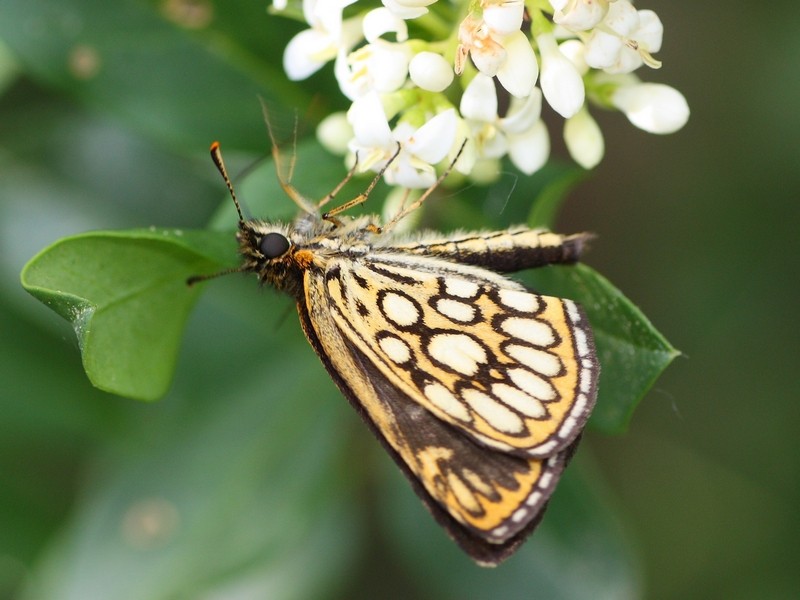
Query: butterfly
point(477, 387)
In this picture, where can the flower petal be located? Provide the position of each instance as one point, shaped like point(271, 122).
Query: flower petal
point(479, 100)
point(584, 139)
point(433, 140)
point(504, 18)
point(529, 151)
point(523, 113)
point(519, 71)
point(653, 107)
point(369, 122)
point(561, 82)
point(379, 21)
point(306, 53)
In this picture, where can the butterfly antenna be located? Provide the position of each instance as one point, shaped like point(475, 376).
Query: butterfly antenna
point(216, 156)
point(198, 278)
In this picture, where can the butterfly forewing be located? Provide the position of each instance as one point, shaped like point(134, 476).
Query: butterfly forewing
point(509, 368)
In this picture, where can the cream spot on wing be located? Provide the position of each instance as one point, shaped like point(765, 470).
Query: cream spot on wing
point(586, 381)
point(572, 310)
point(463, 494)
point(533, 498)
point(441, 397)
point(540, 361)
point(455, 310)
point(519, 515)
point(457, 351)
point(519, 400)
point(477, 482)
point(521, 301)
point(495, 414)
point(532, 384)
point(543, 449)
point(581, 342)
point(567, 428)
point(500, 532)
point(529, 330)
point(396, 349)
point(487, 441)
point(400, 309)
point(461, 288)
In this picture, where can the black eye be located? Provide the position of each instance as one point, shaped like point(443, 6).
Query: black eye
point(273, 245)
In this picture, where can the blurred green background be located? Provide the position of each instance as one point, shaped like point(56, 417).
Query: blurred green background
point(253, 478)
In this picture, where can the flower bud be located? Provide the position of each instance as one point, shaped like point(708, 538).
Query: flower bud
point(430, 71)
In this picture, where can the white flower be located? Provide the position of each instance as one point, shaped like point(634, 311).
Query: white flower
point(420, 148)
point(498, 47)
point(476, 41)
point(580, 15)
point(653, 107)
point(519, 71)
point(529, 149)
point(575, 51)
point(479, 100)
point(402, 86)
point(503, 17)
point(625, 39)
point(381, 21)
point(520, 134)
point(584, 139)
point(310, 49)
point(408, 9)
point(561, 82)
point(430, 71)
point(380, 66)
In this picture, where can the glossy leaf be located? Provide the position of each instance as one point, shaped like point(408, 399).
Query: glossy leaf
point(126, 296)
point(631, 350)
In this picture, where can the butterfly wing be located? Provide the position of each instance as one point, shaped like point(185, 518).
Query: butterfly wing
point(486, 494)
point(487, 501)
point(514, 370)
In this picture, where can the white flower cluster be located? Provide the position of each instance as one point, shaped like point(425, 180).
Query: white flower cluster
point(476, 82)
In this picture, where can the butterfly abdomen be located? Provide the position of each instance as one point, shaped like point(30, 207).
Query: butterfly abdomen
point(504, 251)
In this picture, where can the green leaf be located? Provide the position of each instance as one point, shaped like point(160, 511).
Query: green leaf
point(631, 350)
point(125, 294)
point(180, 82)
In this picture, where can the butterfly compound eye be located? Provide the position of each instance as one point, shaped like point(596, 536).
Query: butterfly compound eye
point(273, 245)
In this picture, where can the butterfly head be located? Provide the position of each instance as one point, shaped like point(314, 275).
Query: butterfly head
point(266, 247)
point(268, 251)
